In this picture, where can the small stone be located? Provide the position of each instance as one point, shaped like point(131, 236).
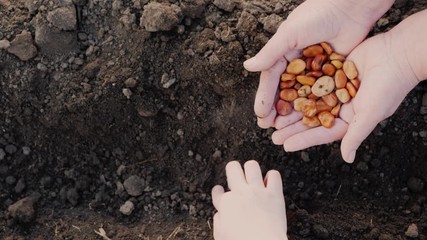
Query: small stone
point(192, 210)
point(22, 210)
point(63, 18)
point(73, 196)
point(2, 154)
point(41, 67)
point(305, 156)
point(226, 5)
point(415, 184)
point(320, 232)
point(412, 231)
point(130, 83)
point(127, 92)
point(382, 22)
point(247, 23)
point(120, 170)
point(11, 149)
point(217, 154)
point(23, 47)
point(423, 134)
point(159, 17)
point(10, 180)
point(4, 44)
point(127, 208)
point(20, 186)
point(272, 22)
point(134, 185)
point(166, 81)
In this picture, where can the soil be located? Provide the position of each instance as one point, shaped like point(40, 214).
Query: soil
point(117, 104)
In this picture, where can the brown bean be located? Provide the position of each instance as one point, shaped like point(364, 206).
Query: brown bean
point(322, 106)
point(327, 47)
point(283, 107)
point(288, 94)
point(343, 95)
point(337, 64)
point(326, 119)
point(336, 110)
point(304, 91)
point(309, 108)
point(356, 83)
point(336, 56)
point(312, 96)
point(312, 51)
point(340, 79)
point(318, 61)
point(350, 69)
point(304, 80)
point(287, 77)
point(315, 74)
point(323, 86)
point(351, 89)
point(298, 103)
point(297, 85)
point(308, 62)
point(287, 84)
point(331, 99)
point(311, 121)
point(296, 66)
point(328, 69)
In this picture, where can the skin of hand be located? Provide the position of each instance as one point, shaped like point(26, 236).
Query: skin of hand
point(342, 23)
point(390, 65)
point(253, 209)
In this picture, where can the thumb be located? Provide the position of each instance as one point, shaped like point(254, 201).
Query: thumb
point(358, 130)
point(276, 47)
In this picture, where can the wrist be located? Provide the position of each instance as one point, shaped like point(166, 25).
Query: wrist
point(365, 12)
point(410, 48)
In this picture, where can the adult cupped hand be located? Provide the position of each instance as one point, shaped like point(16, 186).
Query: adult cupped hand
point(385, 81)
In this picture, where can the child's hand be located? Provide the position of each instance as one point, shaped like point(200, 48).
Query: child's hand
point(253, 209)
point(342, 23)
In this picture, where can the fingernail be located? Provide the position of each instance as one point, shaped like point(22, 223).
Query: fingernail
point(249, 63)
point(351, 157)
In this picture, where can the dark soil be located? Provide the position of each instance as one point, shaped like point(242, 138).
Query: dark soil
point(104, 100)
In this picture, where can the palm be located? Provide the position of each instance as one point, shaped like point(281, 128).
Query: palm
point(379, 96)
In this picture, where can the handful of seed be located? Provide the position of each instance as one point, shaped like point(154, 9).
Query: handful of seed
point(317, 84)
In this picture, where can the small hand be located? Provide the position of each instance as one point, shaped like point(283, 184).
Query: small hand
point(253, 209)
point(385, 81)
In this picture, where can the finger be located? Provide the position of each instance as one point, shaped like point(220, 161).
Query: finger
point(235, 177)
point(316, 136)
point(217, 193)
point(216, 227)
point(284, 121)
point(253, 173)
point(358, 130)
point(273, 181)
point(347, 112)
point(275, 49)
point(278, 137)
point(267, 88)
point(268, 121)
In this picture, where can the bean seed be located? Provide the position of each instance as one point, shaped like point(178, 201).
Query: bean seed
point(351, 89)
point(350, 69)
point(336, 56)
point(288, 94)
point(323, 86)
point(304, 91)
point(312, 96)
point(330, 99)
point(318, 61)
point(297, 86)
point(356, 83)
point(304, 80)
point(298, 103)
point(312, 51)
point(326, 119)
point(337, 64)
point(287, 77)
point(287, 84)
point(315, 74)
point(322, 106)
point(328, 69)
point(340, 79)
point(283, 107)
point(328, 49)
point(309, 108)
point(336, 110)
point(308, 63)
point(311, 121)
point(296, 66)
point(343, 95)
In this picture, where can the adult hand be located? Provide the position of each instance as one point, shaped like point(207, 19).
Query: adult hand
point(253, 209)
point(385, 81)
point(342, 23)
